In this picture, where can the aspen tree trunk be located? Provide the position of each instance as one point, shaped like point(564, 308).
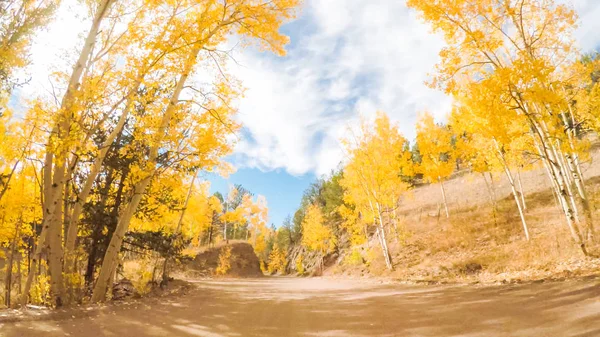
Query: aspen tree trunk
point(384, 248)
point(56, 193)
point(48, 210)
point(72, 219)
point(513, 188)
point(19, 275)
point(47, 206)
point(55, 237)
point(493, 185)
point(548, 156)
point(383, 240)
point(521, 190)
point(116, 241)
point(491, 195)
point(165, 274)
point(9, 263)
point(225, 222)
point(396, 226)
point(575, 167)
point(542, 140)
point(8, 278)
point(555, 189)
point(185, 204)
point(8, 179)
point(444, 196)
point(585, 201)
point(572, 165)
point(517, 201)
point(563, 177)
point(85, 54)
point(569, 183)
point(72, 222)
point(35, 258)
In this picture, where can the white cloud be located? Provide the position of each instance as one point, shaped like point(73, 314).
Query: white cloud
point(347, 57)
point(357, 57)
point(54, 48)
point(589, 15)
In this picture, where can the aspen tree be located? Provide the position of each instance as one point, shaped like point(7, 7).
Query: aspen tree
point(520, 50)
point(372, 182)
point(501, 141)
point(435, 146)
point(316, 236)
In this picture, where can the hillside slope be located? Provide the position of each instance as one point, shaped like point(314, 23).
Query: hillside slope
point(475, 243)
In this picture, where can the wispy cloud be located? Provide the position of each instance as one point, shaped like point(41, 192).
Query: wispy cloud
point(347, 57)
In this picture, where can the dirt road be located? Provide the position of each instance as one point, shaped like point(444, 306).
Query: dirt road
point(320, 307)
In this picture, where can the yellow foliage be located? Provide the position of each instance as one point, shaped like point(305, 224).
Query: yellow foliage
point(225, 258)
point(435, 146)
point(74, 280)
point(140, 273)
point(257, 214)
point(18, 25)
point(277, 260)
point(40, 291)
point(378, 157)
point(316, 236)
point(353, 224)
point(263, 267)
point(300, 264)
point(355, 258)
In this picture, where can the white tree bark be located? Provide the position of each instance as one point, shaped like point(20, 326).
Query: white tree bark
point(513, 189)
point(53, 195)
point(542, 141)
point(521, 190)
point(185, 204)
point(116, 241)
point(444, 196)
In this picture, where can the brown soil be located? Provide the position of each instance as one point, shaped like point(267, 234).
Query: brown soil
point(244, 262)
point(274, 306)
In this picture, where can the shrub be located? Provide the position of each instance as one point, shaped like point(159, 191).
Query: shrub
point(40, 291)
point(140, 273)
point(300, 265)
point(224, 261)
point(277, 261)
point(263, 267)
point(355, 258)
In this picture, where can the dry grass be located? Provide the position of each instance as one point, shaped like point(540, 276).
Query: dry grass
point(475, 237)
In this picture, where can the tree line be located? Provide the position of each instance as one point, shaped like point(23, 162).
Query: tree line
point(147, 105)
point(524, 97)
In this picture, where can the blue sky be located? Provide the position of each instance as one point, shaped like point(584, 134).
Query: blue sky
point(347, 59)
point(282, 190)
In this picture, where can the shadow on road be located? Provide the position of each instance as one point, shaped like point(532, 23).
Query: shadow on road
point(321, 307)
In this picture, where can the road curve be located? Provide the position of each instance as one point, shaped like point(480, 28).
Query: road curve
point(326, 307)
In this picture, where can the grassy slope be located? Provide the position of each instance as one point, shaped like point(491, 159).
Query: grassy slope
point(436, 248)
